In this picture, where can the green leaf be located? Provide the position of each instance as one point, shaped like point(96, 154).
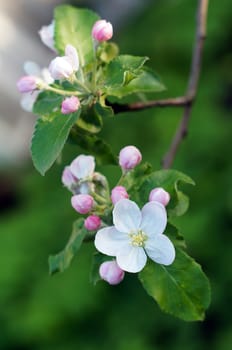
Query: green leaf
point(98, 259)
point(103, 110)
point(121, 70)
point(62, 260)
point(73, 26)
point(47, 102)
point(90, 120)
point(107, 51)
point(147, 81)
point(181, 289)
point(173, 233)
point(93, 145)
point(169, 180)
point(132, 180)
point(49, 137)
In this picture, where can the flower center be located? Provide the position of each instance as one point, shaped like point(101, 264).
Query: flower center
point(138, 239)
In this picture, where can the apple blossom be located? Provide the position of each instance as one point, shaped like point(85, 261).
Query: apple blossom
point(102, 30)
point(67, 178)
point(63, 67)
point(83, 167)
point(129, 157)
point(82, 203)
point(70, 105)
point(111, 272)
point(135, 235)
point(92, 222)
point(46, 34)
point(159, 195)
point(117, 193)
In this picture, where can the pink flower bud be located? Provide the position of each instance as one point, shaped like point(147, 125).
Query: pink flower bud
point(117, 193)
point(93, 222)
point(111, 272)
point(61, 68)
point(28, 83)
point(67, 178)
point(70, 105)
point(46, 34)
point(82, 203)
point(102, 30)
point(159, 195)
point(129, 157)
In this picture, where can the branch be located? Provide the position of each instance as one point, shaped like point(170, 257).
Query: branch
point(192, 84)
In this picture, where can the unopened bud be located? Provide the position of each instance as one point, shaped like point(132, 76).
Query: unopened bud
point(159, 195)
point(102, 30)
point(129, 157)
point(70, 105)
point(46, 34)
point(82, 203)
point(117, 193)
point(92, 222)
point(111, 272)
point(28, 83)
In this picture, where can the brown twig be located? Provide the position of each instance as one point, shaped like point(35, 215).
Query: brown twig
point(185, 101)
point(192, 84)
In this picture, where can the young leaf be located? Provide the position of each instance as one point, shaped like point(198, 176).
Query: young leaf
point(90, 120)
point(46, 103)
point(169, 180)
point(146, 81)
point(121, 70)
point(73, 26)
point(181, 289)
point(49, 137)
point(94, 145)
point(62, 260)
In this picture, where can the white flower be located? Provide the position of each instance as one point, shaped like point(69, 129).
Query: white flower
point(32, 68)
point(46, 34)
point(135, 235)
point(63, 67)
point(82, 168)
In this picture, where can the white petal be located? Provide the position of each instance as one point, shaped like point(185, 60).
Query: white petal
point(32, 68)
point(154, 219)
point(46, 75)
point(126, 216)
point(71, 52)
point(83, 166)
point(160, 249)
point(109, 241)
point(131, 259)
point(28, 100)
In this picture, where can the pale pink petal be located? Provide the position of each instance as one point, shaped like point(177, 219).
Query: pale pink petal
point(83, 166)
point(126, 216)
point(131, 259)
point(154, 219)
point(160, 249)
point(109, 241)
point(72, 54)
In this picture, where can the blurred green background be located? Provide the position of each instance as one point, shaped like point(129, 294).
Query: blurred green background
point(66, 312)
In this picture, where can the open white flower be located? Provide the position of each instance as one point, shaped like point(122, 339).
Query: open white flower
point(135, 235)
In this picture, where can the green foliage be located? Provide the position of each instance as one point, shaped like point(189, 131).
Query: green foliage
point(47, 102)
point(94, 145)
point(73, 26)
point(50, 135)
point(62, 260)
point(180, 289)
point(169, 180)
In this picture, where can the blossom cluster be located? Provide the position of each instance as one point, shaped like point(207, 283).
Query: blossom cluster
point(60, 68)
point(134, 235)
